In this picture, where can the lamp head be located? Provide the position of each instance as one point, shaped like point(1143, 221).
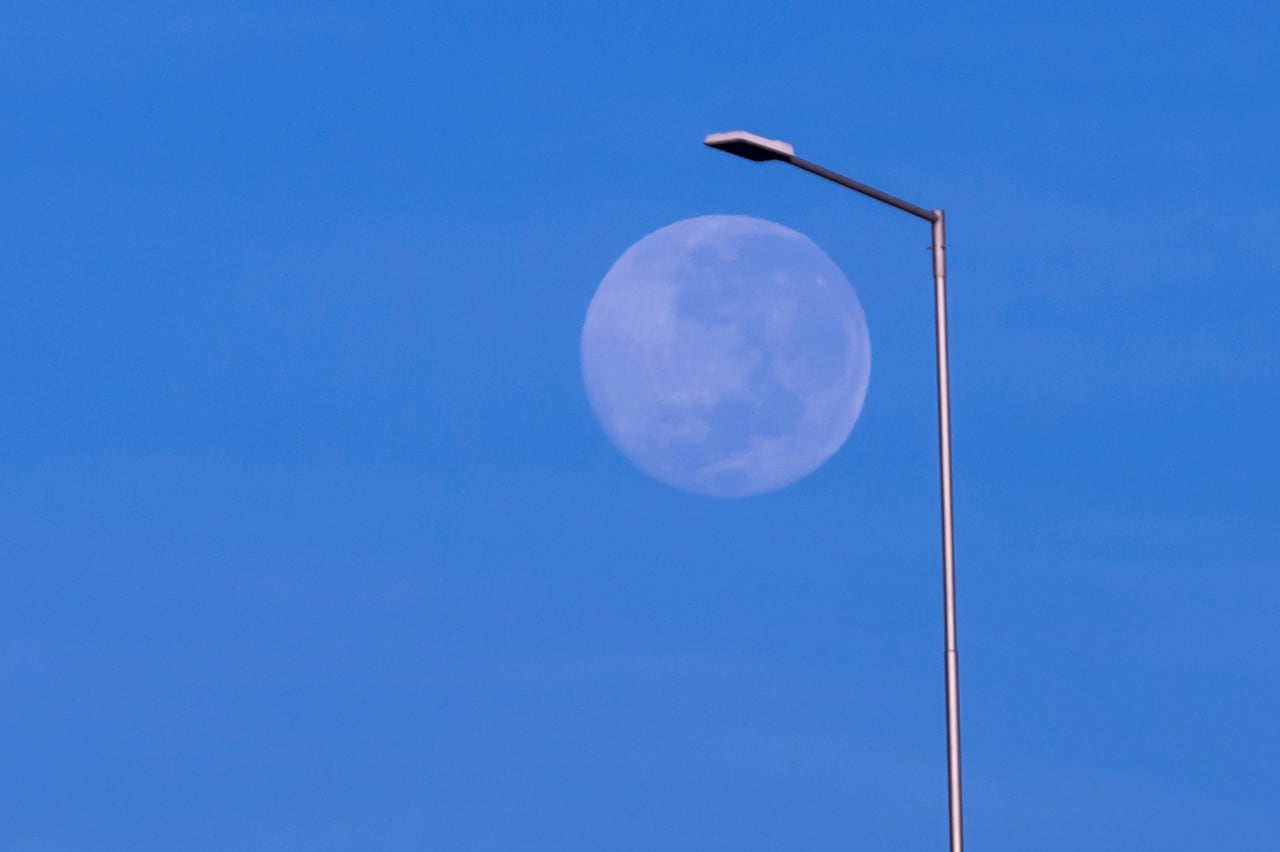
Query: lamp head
point(750, 146)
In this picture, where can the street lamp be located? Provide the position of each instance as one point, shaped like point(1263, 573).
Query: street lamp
point(760, 149)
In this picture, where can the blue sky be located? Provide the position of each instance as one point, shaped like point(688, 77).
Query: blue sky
point(309, 538)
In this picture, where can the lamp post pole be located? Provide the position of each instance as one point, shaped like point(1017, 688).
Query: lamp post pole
point(760, 149)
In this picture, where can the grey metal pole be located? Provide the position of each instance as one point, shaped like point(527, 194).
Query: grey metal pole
point(865, 189)
point(760, 149)
point(948, 540)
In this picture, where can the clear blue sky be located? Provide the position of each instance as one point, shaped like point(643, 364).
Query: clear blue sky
point(309, 540)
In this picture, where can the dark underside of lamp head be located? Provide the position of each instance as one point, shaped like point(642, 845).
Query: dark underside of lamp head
point(750, 146)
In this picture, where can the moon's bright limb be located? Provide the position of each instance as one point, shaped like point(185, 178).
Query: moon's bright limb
point(726, 355)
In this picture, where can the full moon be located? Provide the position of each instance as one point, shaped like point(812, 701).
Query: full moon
point(726, 355)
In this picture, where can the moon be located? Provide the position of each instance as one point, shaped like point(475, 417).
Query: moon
point(726, 355)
